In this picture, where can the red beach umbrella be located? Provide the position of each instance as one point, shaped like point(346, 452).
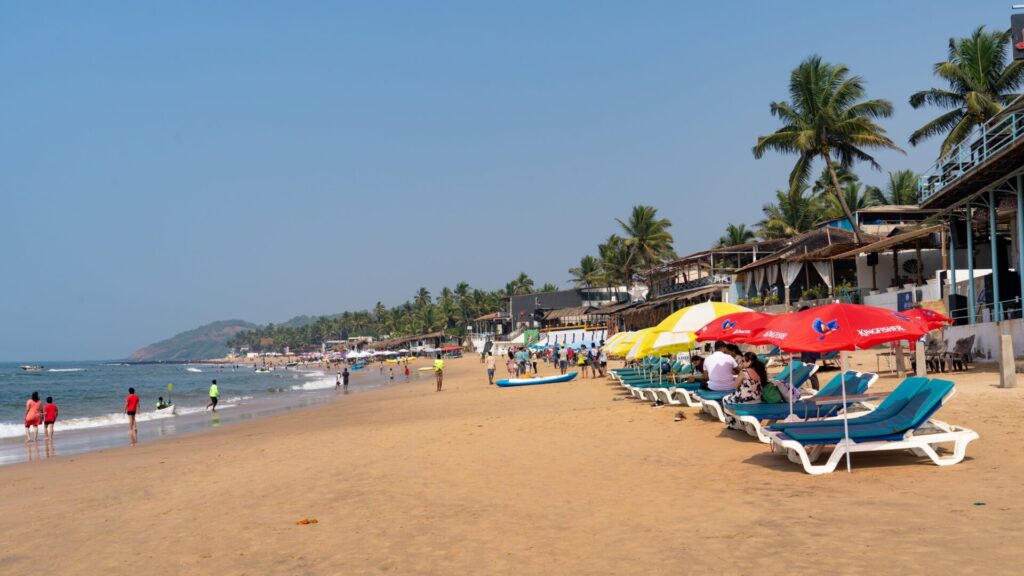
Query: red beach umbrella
point(834, 327)
point(837, 327)
point(930, 319)
point(739, 327)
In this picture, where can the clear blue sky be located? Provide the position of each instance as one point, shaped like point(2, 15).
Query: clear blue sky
point(164, 165)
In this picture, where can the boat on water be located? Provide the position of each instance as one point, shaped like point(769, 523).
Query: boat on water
point(32, 368)
point(532, 381)
point(166, 410)
point(263, 369)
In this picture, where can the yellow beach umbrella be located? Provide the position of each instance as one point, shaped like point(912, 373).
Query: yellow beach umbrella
point(672, 342)
point(644, 344)
point(610, 343)
point(626, 344)
point(693, 318)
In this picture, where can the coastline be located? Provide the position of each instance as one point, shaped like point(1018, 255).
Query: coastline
point(545, 479)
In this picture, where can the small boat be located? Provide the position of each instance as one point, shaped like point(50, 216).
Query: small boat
point(29, 368)
point(166, 410)
point(263, 369)
point(531, 381)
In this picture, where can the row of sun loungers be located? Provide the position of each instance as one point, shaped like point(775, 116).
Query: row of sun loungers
point(902, 421)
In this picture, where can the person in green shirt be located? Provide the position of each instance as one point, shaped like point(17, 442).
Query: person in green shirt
point(439, 371)
point(214, 396)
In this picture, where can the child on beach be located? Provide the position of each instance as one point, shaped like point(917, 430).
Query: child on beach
point(49, 417)
point(490, 367)
point(131, 406)
point(33, 417)
point(406, 371)
point(337, 382)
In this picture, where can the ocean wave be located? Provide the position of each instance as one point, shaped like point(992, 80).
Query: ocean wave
point(190, 369)
point(9, 430)
point(66, 370)
point(315, 385)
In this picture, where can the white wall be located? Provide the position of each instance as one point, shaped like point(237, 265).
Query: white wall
point(931, 259)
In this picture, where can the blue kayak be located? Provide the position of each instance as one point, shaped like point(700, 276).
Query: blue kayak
point(532, 381)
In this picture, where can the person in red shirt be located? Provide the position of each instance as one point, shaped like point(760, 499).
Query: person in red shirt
point(49, 417)
point(131, 406)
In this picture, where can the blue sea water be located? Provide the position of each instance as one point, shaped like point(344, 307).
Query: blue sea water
point(90, 396)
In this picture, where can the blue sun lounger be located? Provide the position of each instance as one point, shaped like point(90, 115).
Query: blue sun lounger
point(902, 422)
point(751, 417)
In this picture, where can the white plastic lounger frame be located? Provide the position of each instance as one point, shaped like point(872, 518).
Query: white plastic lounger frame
point(714, 407)
point(751, 425)
point(922, 442)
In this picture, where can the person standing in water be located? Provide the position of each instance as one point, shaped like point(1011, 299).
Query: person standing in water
point(344, 377)
point(214, 396)
point(131, 406)
point(33, 417)
point(49, 417)
point(439, 371)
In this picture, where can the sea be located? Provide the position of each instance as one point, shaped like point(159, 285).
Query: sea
point(90, 396)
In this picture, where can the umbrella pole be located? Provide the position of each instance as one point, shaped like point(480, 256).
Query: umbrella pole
point(846, 422)
point(790, 383)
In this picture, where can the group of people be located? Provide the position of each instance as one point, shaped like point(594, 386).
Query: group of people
point(728, 369)
point(36, 415)
point(595, 357)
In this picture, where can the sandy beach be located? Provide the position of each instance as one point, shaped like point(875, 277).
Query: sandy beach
point(570, 478)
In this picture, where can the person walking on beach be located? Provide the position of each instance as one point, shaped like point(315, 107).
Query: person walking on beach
point(49, 417)
point(439, 371)
point(131, 406)
point(344, 378)
point(33, 417)
point(406, 371)
point(602, 359)
point(490, 367)
point(563, 363)
point(214, 396)
point(337, 382)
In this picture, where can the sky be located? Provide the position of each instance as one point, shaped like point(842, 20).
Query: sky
point(165, 165)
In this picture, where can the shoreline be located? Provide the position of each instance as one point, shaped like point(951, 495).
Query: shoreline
point(569, 478)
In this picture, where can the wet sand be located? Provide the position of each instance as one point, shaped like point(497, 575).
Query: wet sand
point(568, 478)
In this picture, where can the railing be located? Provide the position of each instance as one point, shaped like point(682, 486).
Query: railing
point(984, 142)
point(713, 280)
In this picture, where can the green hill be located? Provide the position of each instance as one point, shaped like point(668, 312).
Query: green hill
point(209, 341)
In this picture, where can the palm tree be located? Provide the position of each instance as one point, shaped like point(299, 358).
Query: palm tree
point(823, 185)
point(422, 297)
point(855, 197)
point(900, 190)
point(735, 235)
point(549, 287)
point(827, 119)
point(616, 268)
point(647, 237)
point(523, 284)
point(587, 273)
point(981, 82)
point(792, 213)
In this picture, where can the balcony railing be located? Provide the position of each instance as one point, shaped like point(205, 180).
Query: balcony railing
point(713, 280)
point(984, 142)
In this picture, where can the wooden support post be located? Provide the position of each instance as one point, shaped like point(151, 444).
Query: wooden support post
point(1007, 364)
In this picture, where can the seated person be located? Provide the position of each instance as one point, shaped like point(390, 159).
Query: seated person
point(160, 404)
point(721, 368)
point(697, 373)
point(749, 382)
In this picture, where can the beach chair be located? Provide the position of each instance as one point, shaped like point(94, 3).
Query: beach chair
point(961, 355)
point(752, 418)
point(902, 422)
point(830, 359)
point(711, 400)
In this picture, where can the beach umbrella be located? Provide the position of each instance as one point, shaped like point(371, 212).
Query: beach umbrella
point(841, 327)
point(610, 343)
point(626, 343)
point(930, 319)
point(693, 318)
point(672, 342)
point(738, 327)
point(643, 344)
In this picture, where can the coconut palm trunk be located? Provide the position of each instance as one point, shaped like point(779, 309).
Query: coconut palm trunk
point(839, 196)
